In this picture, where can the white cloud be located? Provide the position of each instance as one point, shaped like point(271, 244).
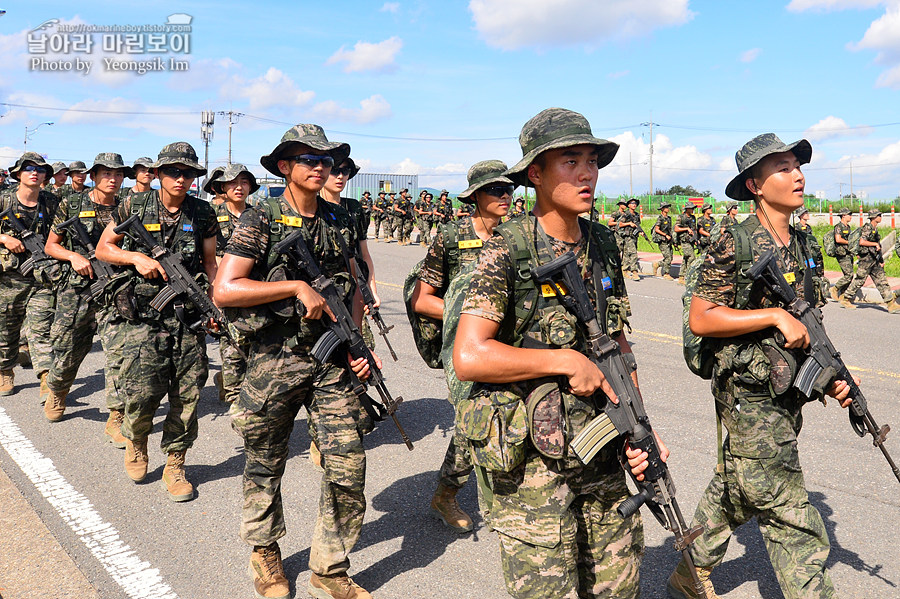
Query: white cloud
point(832, 126)
point(750, 55)
point(367, 56)
point(102, 111)
point(273, 89)
point(390, 7)
point(371, 109)
point(883, 36)
point(8, 155)
point(450, 175)
point(514, 24)
point(826, 5)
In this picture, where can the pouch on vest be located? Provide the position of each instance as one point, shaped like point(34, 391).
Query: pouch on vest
point(49, 273)
point(546, 420)
point(8, 260)
point(782, 365)
point(495, 423)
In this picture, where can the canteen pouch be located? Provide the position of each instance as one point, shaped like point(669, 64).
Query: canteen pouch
point(782, 365)
point(49, 273)
point(495, 423)
point(8, 260)
point(546, 420)
point(122, 298)
point(285, 309)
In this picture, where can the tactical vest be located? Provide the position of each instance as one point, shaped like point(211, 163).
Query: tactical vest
point(227, 224)
point(664, 223)
point(691, 223)
point(82, 206)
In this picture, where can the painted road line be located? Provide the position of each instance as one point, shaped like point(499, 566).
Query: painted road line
point(136, 577)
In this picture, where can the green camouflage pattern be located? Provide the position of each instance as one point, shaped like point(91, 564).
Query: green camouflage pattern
point(28, 310)
point(162, 357)
point(665, 265)
point(423, 221)
point(114, 161)
point(814, 248)
point(755, 150)
point(77, 166)
point(112, 338)
point(179, 152)
point(707, 224)
point(869, 265)
point(727, 221)
point(846, 264)
point(309, 135)
point(29, 157)
point(481, 174)
point(225, 174)
point(556, 128)
point(71, 335)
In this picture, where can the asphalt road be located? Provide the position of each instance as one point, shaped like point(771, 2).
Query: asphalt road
point(193, 551)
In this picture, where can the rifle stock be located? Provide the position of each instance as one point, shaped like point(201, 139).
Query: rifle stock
point(33, 242)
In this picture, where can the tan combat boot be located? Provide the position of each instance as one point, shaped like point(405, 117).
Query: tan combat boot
point(24, 357)
point(681, 584)
point(653, 268)
point(174, 479)
point(45, 388)
point(338, 586)
point(681, 280)
point(315, 456)
point(55, 406)
point(845, 303)
point(7, 382)
point(444, 505)
point(136, 459)
point(894, 306)
point(834, 293)
point(217, 380)
point(113, 431)
point(267, 571)
point(668, 277)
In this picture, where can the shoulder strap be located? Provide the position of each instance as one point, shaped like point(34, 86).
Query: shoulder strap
point(743, 259)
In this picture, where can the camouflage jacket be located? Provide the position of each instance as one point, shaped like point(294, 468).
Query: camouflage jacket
point(227, 223)
point(705, 224)
point(869, 233)
point(630, 217)
point(664, 224)
point(841, 249)
point(690, 222)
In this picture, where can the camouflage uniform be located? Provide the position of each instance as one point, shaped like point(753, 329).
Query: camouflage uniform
point(560, 534)
point(620, 240)
point(665, 244)
point(629, 237)
point(381, 217)
point(686, 239)
point(761, 477)
point(162, 356)
point(365, 204)
point(423, 221)
point(407, 219)
point(706, 224)
point(844, 258)
point(26, 303)
point(281, 378)
point(445, 212)
point(870, 265)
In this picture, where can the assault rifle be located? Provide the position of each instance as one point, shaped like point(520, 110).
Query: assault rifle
point(343, 332)
point(824, 364)
point(33, 242)
point(627, 417)
point(181, 283)
point(103, 271)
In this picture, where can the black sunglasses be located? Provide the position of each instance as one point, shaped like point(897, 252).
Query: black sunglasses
point(341, 170)
point(35, 168)
point(498, 191)
point(312, 160)
point(175, 172)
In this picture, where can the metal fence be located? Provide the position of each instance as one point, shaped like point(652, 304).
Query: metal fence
point(375, 182)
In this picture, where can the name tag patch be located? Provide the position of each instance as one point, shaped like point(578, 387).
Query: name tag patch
point(790, 277)
point(606, 282)
point(550, 291)
point(87, 214)
point(291, 221)
point(153, 227)
point(224, 219)
point(470, 243)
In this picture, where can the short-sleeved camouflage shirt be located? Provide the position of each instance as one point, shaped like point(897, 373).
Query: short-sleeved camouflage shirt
point(436, 267)
point(101, 214)
point(204, 219)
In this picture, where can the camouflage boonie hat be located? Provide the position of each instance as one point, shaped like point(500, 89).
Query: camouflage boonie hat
point(180, 152)
point(444, 192)
point(556, 128)
point(224, 174)
point(26, 157)
point(404, 190)
point(874, 213)
point(308, 135)
point(755, 150)
point(635, 200)
point(382, 192)
point(801, 211)
point(482, 174)
point(113, 161)
point(844, 212)
point(688, 206)
point(621, 203)
point(665, 205)
point(731, 206)
point(706, 207)
point(392, 193)
point(145, 161)
point(59, 166)
point(366, 193)
point(354, 169)
point(77, 167)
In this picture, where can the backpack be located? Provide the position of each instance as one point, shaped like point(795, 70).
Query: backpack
point(700, 352)
point(830, 244)
point(853, 241)
point(454, 296)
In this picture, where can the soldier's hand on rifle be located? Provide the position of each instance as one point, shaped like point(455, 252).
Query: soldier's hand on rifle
point(584, 376)
point(637, 459)
point(840, 390)
point(313, 302)
point(360, 366)
point(148, 267)
point(795, 334)
point(12, 244)
point(81, 265)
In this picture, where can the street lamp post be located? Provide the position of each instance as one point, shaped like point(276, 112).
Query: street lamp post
point(30, 131)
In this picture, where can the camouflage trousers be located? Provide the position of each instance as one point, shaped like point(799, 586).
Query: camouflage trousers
point(366, 221)
point(620, 243)
point(630, 254)
point(234, 367)
point(560, 533)
point(162, 357)
point(396, 228)
point(280, 381)
point(457, 465)
point(407, 228)
point(378, 220)
point(773, 491)
point(424, 227)
point(687, 255)
point(665, 265)
point(111, 328)
point(71, 336)
point(846, 264)
point(868, 267)
point(25, 303)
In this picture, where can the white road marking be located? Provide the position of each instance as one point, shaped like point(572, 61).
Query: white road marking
point(136, 577)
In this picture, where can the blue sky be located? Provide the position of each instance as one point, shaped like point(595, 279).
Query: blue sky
point(432, 87)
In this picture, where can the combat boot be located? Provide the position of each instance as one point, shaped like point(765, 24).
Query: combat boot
point(681, 280)
point(653, 268)
point(136, 459)
point(24, 357)
point(681, 584)
point(7, 382)
point(113, 431)
point(845, 303)
point(893, 307)
point(668, 277)
point(338, 586)
point(315, 456)
point(445, 506)
point(834, 293)
point(267, 571)
point(217, 380)
point(45, 388)
point(174, 479)
point(55, 406)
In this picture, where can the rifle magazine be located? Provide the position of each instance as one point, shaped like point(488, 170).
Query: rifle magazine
point(593, 438)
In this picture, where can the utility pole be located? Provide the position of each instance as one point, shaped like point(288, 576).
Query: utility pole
point(630, 178)
point(650, 124)
point(232, 118)
point(207, 119)
point(851, 179)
